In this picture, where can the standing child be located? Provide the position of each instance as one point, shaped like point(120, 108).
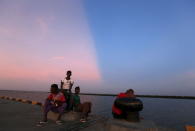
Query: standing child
point(66, 86)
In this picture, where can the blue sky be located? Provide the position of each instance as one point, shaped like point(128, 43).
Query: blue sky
point(110, 45)
point(143, 42)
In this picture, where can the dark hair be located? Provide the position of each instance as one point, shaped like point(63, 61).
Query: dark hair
point(130, 91)
point(77, 88)
point(54, 88)
point(69, 72)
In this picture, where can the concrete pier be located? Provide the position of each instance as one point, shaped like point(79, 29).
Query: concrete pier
point(18, 116)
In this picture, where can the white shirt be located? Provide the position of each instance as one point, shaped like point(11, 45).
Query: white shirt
point(67, 84)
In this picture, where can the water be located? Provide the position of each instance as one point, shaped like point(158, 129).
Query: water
point(172, 113)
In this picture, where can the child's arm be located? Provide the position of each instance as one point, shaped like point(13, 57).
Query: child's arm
point(71, 84)
point(62, 83)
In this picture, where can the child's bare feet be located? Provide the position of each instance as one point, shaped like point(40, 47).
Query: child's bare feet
point(59, 122)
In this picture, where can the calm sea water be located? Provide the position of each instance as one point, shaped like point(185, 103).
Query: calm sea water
point(172, 113)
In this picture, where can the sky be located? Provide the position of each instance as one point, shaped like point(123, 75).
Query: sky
point(109, 45)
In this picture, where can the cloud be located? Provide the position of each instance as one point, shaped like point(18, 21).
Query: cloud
point(43, 25)
point(6, 32)
point(58, 58)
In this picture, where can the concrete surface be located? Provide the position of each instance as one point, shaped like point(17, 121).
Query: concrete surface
point(69, 116)
point(18, 116)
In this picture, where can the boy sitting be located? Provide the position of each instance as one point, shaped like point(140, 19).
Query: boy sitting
point(84, 108)
point(55, 102)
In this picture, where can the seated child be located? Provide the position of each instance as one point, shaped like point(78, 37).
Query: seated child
point(55, 102)
point(118, 113)
point(84, 108)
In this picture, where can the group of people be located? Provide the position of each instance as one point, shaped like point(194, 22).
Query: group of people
point(62, 100)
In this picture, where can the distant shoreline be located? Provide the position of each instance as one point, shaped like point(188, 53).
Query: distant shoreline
point(149, 96)
point(101, 94)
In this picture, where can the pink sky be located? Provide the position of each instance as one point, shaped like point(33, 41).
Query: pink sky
point(33, 49)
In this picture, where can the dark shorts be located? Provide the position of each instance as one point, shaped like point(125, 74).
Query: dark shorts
point(67, 93)
point(121, 116)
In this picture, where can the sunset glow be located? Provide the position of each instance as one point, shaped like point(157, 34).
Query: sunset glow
point(34, 47)
point(110, 46)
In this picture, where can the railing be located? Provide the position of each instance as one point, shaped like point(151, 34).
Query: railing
point(149, 96)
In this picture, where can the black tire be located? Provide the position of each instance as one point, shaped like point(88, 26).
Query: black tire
point(129, 104)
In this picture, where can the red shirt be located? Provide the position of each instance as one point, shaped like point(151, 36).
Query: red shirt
point(121, 95)
point(57, 97)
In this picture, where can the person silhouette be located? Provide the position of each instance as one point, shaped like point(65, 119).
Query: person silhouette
point(66, 86)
